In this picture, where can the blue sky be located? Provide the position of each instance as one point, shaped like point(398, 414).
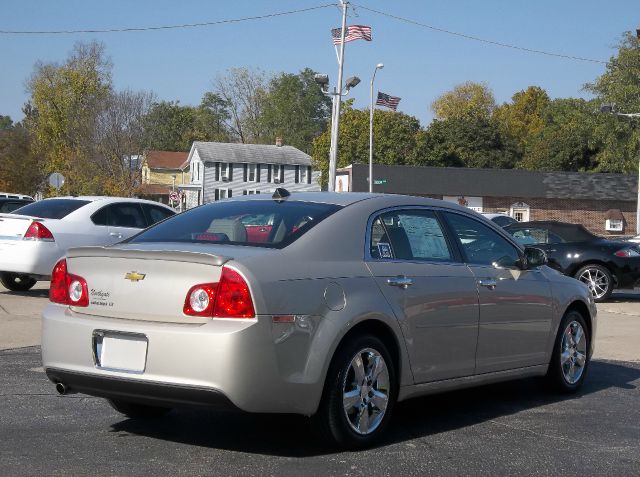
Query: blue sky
point(420, 64)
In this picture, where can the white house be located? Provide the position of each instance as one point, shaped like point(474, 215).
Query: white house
point(219, 170)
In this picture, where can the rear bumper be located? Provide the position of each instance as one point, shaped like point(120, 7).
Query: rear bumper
point(134, 390)
point(251, 364)
point(29, 257)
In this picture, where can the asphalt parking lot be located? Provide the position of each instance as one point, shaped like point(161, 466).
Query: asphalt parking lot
point(505, 429)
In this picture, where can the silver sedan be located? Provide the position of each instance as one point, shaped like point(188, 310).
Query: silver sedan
point(335, 306)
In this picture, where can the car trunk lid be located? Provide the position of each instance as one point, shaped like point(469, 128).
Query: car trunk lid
point(13, 227)
point(136, 284)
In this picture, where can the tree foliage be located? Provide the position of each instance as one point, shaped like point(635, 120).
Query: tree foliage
point(20, 169)
point(524, 117)
point(466, 100)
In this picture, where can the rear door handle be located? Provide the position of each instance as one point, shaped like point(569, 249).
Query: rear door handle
point(116, 234)
point(400, 281)
point(489, 283)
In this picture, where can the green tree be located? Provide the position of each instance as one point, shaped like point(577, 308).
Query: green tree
point(466, 142)
point(466, 100)
point(524, 117)
point(65, 102)
point(295, 109)
point(211, 118)
point(5, 122)
point(395, 139)
point(566, 142)
point(619, 84)
point(170, 126)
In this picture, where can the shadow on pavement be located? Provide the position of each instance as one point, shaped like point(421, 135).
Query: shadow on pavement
point(624, 296)
point(33, 293)
point(291, 436)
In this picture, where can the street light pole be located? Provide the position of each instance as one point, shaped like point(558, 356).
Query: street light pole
point(335, 129)
point(379, 66)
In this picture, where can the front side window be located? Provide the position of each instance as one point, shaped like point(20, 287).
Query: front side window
point(480, 244)
point(249, 222)
point(155, 213)
point(409, 235)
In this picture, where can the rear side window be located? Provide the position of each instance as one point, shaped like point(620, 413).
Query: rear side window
point(126, 215)
point(156, 214)
point(260, 223)
point(52, 208)
point(409, 235)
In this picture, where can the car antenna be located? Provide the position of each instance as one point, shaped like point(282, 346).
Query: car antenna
point(280, 194)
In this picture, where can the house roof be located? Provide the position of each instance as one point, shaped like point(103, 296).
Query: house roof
point(154, 189)
point(165, 159)
point(250, 153)
point(496, 182)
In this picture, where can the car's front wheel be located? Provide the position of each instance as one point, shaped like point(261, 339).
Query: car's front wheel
point(598, 279)
point(570, 358)
point(359, 395)
point(136, 411)
point(16, 281)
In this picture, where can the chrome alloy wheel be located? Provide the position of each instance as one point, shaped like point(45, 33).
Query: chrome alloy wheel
point(365, 391)
point(573, 355)
point(597, 282)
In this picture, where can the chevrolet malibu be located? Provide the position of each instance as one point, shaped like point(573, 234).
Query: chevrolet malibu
point(344, 306)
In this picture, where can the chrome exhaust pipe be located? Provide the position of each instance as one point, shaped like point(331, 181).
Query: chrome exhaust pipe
point(63, 389)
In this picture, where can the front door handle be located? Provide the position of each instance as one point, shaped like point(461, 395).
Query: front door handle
point(400, 281)
point(489, 283)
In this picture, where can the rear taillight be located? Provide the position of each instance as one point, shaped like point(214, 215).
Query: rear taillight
point(37, 231)
point(627, 252)
point(67, 288)
point(230, 298)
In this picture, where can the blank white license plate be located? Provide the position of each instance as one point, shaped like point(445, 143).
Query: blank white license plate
point(119, 351)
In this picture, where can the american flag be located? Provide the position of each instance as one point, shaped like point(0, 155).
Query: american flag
point(354, 32)
point(387, 100)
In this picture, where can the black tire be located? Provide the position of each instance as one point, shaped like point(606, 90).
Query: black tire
point(594, 269)
point(331, 420)
point(16, 281)
point(136, 411)
point(556, 376)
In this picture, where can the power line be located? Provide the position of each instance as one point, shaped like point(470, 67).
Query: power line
point(482, 40)
point(165, 27)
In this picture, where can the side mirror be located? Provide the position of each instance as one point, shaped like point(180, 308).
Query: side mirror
point(534, 257)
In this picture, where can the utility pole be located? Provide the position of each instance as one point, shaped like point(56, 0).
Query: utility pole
point(335, 125)
point(379, 66)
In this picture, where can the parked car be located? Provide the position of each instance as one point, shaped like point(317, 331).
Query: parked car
point(501, 219)
point(350, 303)
point(635, 239)
point(34, 237)
point(10, 195)
point(9, 204)
point(571, 249)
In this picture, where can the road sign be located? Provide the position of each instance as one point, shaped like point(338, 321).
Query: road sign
point(174, 196)
point(56, 180)
point(379, 181)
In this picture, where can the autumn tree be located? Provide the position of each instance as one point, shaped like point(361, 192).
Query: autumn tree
point(66, 100)
point(524, 116)
point(466, 100)
point(20, 167)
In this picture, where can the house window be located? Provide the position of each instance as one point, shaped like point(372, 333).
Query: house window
point(303, 174)
point(614, 225)
point(223, 194)
point(252, 172)
point(224, 171)
point(520, 212)
point(276, 171)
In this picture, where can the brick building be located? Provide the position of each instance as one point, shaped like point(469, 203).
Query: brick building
point(604, 203)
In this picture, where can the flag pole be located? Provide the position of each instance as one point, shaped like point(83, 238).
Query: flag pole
point(335, 130)
point(379, 66)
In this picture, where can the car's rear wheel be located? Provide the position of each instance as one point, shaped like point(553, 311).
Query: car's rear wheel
point(135, 410)
point(598, 279)
point(570, 358)
point(359, 395)
point(16, 281)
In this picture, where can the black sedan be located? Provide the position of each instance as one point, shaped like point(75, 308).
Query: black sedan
point(571, 249)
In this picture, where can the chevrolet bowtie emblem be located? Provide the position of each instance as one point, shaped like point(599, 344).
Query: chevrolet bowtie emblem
point(134, 276)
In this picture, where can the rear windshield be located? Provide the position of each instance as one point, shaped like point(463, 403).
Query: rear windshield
point(257, 223)
point(51, 208)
